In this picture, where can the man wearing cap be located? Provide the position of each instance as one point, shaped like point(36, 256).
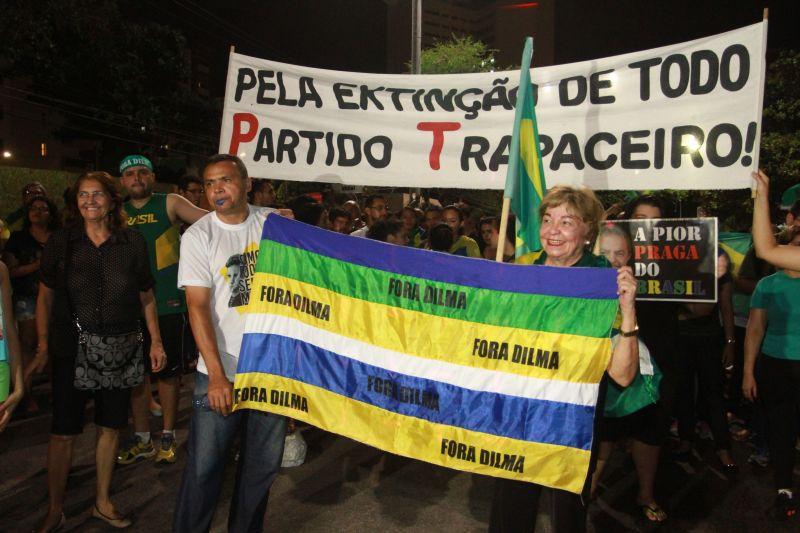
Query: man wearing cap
point(158, 217)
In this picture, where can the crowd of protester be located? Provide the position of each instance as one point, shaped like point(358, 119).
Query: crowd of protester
point(679, 371)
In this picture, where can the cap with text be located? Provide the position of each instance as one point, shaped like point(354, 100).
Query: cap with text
point(134, 161)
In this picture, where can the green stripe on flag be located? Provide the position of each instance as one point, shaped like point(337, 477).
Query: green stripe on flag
point(525, 311)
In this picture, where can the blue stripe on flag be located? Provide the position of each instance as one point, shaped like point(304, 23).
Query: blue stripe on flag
point(479, 273)
point(496, 414)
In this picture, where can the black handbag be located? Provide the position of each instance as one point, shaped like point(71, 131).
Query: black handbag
point(108, 361)
point(105, 361)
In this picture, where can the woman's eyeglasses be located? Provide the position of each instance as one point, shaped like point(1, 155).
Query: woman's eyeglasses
point(83, 195)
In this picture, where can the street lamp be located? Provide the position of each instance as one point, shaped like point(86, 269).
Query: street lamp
point(7, 154)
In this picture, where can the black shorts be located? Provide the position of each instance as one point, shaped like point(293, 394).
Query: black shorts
point(69, 403)
point(178, 344)
point(645, 425)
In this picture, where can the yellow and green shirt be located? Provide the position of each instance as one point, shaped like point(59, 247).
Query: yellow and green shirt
point(163, 247)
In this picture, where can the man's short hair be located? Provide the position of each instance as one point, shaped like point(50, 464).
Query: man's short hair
point(186, 179)
point(788, 234)
point(646, 199)
point(441, 237)
point(369, 200)
point(221, 158)
point(338, 212)
point(511, 226)
point(309, 212)
point(260, 183)
point(795, 209)
point(381, 230)
point(434, 208)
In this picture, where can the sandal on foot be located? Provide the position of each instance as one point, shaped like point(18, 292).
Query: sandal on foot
point(653, 512)
point(120, 522)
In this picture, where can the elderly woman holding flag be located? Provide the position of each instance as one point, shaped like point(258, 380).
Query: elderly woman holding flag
point(569, 221)
point(568, 224)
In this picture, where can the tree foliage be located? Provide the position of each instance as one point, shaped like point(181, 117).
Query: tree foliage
point(780, 141)
point(108, 73)
point(461, 55)
point(457, 56)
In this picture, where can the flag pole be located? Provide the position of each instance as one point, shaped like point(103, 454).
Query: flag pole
point(765, 18)
point(501, 238)
point(512, 161)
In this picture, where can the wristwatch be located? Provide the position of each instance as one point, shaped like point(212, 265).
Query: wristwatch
point(730, 341)
point(632, 333)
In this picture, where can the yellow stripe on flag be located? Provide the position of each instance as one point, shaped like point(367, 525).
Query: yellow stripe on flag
point(471, 451)
point(580, 359)
point(527, 148)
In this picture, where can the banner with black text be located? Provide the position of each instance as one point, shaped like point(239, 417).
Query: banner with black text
point(673, 259)
point(685, 116)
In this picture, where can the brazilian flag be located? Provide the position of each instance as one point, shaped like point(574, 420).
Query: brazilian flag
point(736, 246)
point(525, 185)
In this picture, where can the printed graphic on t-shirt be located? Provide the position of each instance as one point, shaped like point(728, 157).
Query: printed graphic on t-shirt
point(238, 271)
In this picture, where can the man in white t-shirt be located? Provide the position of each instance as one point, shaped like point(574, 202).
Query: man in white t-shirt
point(218, 256)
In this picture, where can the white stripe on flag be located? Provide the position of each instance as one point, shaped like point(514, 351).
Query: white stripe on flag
point(461, 376)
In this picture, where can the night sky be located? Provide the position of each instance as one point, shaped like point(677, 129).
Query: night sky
point(350, 34)
point(587, 29)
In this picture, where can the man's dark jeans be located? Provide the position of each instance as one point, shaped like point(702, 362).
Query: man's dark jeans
point(210, 439)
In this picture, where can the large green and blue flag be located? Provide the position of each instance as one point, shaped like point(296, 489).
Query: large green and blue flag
point(525, 184)
point(480, 366)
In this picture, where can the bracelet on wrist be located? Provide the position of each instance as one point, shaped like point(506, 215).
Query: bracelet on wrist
point(632, 333)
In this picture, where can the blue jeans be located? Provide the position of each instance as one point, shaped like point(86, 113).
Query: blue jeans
point(210, 439)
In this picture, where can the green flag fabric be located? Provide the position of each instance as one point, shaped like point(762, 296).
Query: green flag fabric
point(525, 184)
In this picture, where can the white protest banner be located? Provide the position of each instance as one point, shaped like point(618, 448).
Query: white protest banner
point(685, 116)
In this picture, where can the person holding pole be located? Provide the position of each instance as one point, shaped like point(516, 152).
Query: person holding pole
point(569, 223)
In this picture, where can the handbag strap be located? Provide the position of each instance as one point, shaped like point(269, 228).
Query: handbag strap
point(67, 265)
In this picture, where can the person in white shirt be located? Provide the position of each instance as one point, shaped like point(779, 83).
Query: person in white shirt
point(375, 208)
point(218, 256)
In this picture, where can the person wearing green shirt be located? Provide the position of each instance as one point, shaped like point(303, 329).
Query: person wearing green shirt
point(158, 218)
point(773, 329)
point(463, 245)
point(410, 216)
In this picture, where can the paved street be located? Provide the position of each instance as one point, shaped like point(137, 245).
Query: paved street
point(346, 486)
